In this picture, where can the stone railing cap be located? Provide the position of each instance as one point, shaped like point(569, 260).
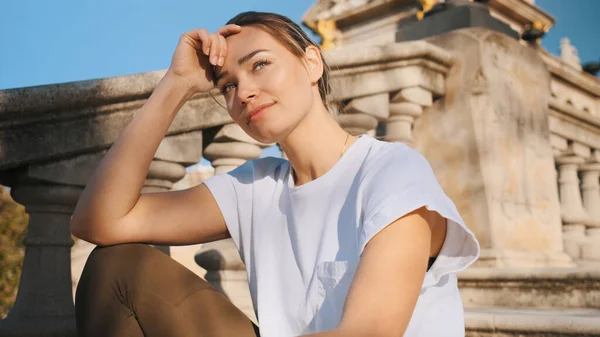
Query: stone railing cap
point(352, 56)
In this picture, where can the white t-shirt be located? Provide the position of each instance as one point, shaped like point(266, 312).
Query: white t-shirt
point(301, 245)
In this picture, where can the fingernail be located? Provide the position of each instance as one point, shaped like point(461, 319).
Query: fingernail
point(214, 60)
point(221, 61)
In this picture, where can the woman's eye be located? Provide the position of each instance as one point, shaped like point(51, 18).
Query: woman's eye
point(226, 88)
point(260, 64)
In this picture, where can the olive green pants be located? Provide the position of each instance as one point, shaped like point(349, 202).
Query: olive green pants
point(136, 290)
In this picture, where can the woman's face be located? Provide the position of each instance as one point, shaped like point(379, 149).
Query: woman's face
point(268, 89)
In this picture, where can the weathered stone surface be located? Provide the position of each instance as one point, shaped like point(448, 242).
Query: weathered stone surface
point(372, 70)
point(493, 322)
point(590, 249)
point(578, 149)
point(572, 124)
point(383, 79)
point(590, 190)
point(574, 238)
point(542, 288)
point(571, 206)
point(375, 105)
point(357, 123)
point(232, 150)
point(558, 142)
point(44, 305)
point(415, 95)
point(487, 141)
point(41, 130)
point(405, 108)
point(184, 149)
point(399, 129)
point(235, 162)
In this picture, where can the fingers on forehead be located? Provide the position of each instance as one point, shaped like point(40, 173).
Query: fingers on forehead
point(229, 29)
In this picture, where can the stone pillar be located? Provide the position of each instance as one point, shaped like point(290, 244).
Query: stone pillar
point(226, 272)
point(361, 115)
point(230, 148)
point(570, 196)
point(487, 140)
point(573, 214)
point(44, 304)
point(590, 190)
point(590, 248)
point(405, 107)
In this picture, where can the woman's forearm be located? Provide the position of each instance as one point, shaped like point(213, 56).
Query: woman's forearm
point(114, 188)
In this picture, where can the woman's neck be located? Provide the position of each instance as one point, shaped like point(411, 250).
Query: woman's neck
point(315, 146)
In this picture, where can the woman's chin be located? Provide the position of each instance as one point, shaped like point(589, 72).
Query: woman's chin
point(268, 135)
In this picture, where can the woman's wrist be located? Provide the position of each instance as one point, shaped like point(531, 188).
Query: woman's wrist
point(179, 85)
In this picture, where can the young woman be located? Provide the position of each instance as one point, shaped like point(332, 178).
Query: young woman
point(351, 237)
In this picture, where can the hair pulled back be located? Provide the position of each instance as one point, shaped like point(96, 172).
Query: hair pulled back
point(291, 36)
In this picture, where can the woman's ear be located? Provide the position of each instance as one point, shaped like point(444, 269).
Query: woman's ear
point(314, 63)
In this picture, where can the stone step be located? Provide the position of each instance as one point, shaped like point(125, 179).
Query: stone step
point(548, 288)
point(503, 322)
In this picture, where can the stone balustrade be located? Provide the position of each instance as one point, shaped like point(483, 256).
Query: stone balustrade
point(575, 139)
point(384, 88)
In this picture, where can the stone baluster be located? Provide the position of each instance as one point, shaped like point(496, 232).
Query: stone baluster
point(405, 107)
point(361, 115)
point(590, 249)
point(44, 303)
point(573, 214)
point(230, 148)
point(225, 270)
point(590, 188)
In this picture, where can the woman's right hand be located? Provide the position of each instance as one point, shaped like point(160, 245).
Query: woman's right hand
point(196, 54)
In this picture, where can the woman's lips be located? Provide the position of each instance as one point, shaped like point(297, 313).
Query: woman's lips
point(258, 111)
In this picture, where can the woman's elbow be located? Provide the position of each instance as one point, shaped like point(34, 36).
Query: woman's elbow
point(86, 232)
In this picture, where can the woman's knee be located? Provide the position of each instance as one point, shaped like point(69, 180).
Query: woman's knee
point(117, 258)
point(109, 265)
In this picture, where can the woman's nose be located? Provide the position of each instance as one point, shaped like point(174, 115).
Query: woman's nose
point(247, 92)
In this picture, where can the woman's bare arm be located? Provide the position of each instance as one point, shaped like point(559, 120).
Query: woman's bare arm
point(395, 260)
point(111, 208)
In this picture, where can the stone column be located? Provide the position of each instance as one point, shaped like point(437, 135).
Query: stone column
point(361, 115)
point(226, 272)
point(590, 190)
point(590, 248)
point(230, 148)
point(573, 214)
point(44, 306)
point(405, 107)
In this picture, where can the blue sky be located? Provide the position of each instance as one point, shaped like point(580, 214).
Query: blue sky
point(43, 42)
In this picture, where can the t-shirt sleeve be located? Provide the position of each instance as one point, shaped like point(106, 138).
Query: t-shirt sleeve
point(401, 182)
point(233, 190)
